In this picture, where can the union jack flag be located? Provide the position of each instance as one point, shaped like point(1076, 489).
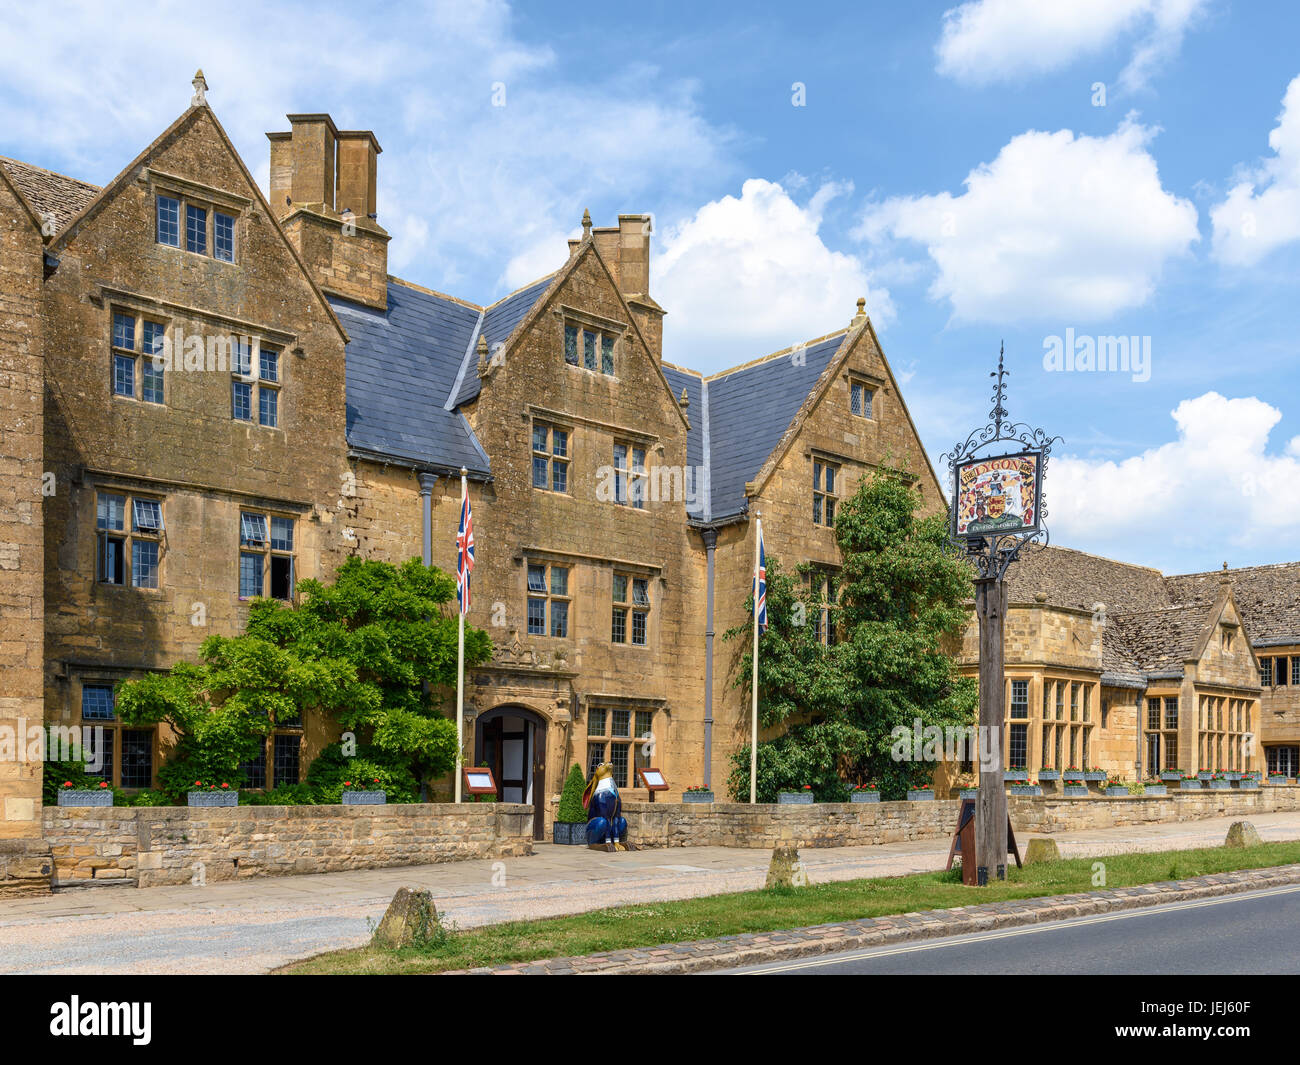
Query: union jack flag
point(464, 554)
point(760, 584)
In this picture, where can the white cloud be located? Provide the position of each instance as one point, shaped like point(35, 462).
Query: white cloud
point(1057, 225)
point(748, 275)
point(463, 184)
point(1262, 211)
point(988, 41)
point(1216, 484)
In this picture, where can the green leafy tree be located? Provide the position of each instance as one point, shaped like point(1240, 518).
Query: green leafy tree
point(373, 650)
point(571, 811)
point(901, 598)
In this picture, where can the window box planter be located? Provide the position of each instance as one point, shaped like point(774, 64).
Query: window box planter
point(1095, 776)
point(1072, 776)
point(1075, 791)
point(212, 798)
point(1026, 789)
point(1156, 789)
point(1015, 775)
point(1220, 785)
point(794, 798)
point(1204, 774)
point(568, 833)
point(968, 793)
point(697, 796)
point(1232, 775)
point(365, 798)
point(88, 797)
point(1189, 785)
point(920, 794)
point(1171, 774)
point(1114, 791)
point(1048, 775)
point(864, 796)
point(1277, 778)
point(1248, 785)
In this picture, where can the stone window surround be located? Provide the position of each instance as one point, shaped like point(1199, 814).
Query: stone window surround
point(630, 608)
point(266, 552)
point(127, 309)
point(551, 424)
point(179, 313)
point(196, 194)
point(83, 675)
point(661, 708)
point(821, 462)
point(875, 387)
point(96, 487)
point(1042, 684)
point(548, 596)
point(595, 323)
point(1215, 743)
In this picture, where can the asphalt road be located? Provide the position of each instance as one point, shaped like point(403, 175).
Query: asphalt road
point(1255, 932)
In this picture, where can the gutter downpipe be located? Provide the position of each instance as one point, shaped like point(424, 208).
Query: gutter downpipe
point(710, 542)
point(427, 483)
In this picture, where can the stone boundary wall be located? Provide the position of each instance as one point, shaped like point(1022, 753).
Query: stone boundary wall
point(148, 846)
point(857, 824)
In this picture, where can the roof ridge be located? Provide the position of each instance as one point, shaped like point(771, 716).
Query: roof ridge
point(776, 354)
point(434, 292)
point(1102, 558)
point(1235, 569)
point(522, 288)
point(682, 369)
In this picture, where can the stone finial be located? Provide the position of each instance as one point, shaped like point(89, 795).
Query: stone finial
point(200, 84)
point(485, 366)
point(684, 401)
point(1225, 566)
point(861, 316)
point(586, 224)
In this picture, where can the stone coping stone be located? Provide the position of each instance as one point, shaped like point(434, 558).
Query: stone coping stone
point(756, 948)
point(279, 813)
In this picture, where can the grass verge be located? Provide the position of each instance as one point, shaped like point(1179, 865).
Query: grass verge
point(651, 924)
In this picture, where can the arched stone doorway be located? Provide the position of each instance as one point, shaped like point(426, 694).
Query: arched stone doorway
point(512, 741)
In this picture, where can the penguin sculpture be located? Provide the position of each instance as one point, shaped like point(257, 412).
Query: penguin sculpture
point(606, 825)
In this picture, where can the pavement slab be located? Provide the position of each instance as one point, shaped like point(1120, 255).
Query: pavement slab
point(256, 924)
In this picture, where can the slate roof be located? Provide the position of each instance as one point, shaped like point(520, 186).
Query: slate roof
point(401, 366)
point(51, 194)
point(749, 411)
point(697, 417)
point(499, 321)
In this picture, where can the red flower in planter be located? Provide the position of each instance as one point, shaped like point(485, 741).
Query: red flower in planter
point(807, 787)
point(67, 783)
point(225, 785)
point(347, 783)
point(103, 783)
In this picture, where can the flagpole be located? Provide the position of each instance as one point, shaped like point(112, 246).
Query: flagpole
point(460, 654)
point(753, 738)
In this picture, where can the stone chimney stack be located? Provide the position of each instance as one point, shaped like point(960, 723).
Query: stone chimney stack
point(323, 191)
point(626, 251)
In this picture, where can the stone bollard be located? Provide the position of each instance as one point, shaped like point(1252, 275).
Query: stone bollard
point(410, 918)
point(784, 868)
point(1042, 850)
point(1242, 834)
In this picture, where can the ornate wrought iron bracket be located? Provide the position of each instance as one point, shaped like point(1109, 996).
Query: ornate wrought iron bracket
point(993, 554)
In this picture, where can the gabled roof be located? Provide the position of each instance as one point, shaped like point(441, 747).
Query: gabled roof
point(1268, 598)
point(401, 366)
point(1162, 640)
point(738, 417)
point(55, 197)
point(697, 413)
point(497, 324)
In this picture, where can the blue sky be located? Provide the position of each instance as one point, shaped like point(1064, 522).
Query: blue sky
point(950, 162)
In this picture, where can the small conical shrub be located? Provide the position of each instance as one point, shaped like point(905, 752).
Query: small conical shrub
point(571, 811)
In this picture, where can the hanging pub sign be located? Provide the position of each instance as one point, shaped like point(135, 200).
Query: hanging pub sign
point(997, 496)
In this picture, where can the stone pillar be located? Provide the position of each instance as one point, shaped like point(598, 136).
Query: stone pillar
point(24, 857)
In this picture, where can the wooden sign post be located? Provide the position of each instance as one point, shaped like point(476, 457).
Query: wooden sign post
point(652, 780)
point(996, 509)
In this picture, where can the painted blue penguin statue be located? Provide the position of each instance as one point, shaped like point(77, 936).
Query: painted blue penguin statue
point(606, 825)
